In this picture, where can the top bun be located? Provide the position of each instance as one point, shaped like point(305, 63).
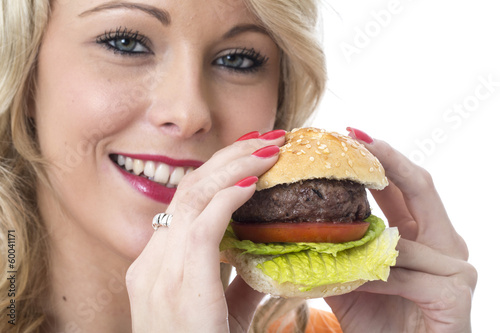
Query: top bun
point(311, 153)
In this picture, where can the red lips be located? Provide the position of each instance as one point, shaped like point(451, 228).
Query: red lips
point(149, 188)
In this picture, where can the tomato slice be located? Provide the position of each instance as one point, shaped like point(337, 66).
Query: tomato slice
point(316, 232)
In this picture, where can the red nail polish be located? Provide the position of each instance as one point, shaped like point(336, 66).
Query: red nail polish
point(273, 134)
point(248, 136)
point(267, 151)
point(246, 182)
point(360, 135)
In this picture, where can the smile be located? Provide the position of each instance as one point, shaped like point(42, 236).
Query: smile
point(158, 172)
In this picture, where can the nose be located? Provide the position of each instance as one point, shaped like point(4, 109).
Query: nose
point(180, 91)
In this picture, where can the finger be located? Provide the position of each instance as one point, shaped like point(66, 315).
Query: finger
point(148, 260)
point(225, 168)
point(226, 157)
point(433, 292)
point(393, 205)
point(242, 301)
point(190, 201)
point(421, 198)
point(418, 257)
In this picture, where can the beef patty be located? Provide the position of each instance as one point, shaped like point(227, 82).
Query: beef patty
point(316, 200)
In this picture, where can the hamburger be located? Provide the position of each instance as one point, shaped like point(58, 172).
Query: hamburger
point(308, 230)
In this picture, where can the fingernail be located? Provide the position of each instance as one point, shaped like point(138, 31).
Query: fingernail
point(273, 134)
point(360, 135)
point(248, 136)
point(246, 182)
point(267, 151)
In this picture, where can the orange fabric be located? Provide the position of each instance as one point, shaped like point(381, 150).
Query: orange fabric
point(320, 321)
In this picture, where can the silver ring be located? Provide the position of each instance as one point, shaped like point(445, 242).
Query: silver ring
point(162, 220)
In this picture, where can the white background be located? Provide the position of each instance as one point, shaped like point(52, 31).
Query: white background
point(400, 71)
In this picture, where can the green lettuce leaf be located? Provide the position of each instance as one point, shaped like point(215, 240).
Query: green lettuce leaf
point(310, 269)
point(230, 241)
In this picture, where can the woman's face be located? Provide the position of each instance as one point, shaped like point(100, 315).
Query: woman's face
point(131, 95)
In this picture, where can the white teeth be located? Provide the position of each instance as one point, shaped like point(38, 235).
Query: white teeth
point(176, 176)
point(149, 169)
point(138, 167)
point(162, 173)
point(158, 172)
point(129, 163)
point(121, 160)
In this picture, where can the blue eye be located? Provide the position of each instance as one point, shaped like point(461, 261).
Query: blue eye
point(235, 61)
point(242, 60)
point(123, 41)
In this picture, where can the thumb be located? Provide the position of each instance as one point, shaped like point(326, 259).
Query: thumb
point(242, 301)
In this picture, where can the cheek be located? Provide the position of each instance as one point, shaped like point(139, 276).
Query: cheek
point(76, 108)
point(247, 108)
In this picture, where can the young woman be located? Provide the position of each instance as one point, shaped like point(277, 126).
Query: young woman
point(114, 111)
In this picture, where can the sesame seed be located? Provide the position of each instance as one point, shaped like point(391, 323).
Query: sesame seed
point(311, 158)
point(308, 146)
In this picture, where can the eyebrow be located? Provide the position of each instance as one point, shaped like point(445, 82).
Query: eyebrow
point(239, 29)
point(162, 15)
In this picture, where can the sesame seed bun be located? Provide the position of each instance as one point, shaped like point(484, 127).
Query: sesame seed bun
point(311, 153)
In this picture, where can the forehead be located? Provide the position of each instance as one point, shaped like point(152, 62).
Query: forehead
point(165, 11)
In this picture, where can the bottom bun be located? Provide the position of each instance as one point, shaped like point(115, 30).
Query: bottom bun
point(246, 267)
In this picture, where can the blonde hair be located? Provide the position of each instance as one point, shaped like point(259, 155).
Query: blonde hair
point(291, 23)
point(22, 24)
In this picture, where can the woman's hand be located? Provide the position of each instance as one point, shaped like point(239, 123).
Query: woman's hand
point(430, 288)
point(174, 285)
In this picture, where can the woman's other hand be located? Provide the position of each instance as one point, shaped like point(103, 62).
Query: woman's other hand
point(430, 288)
